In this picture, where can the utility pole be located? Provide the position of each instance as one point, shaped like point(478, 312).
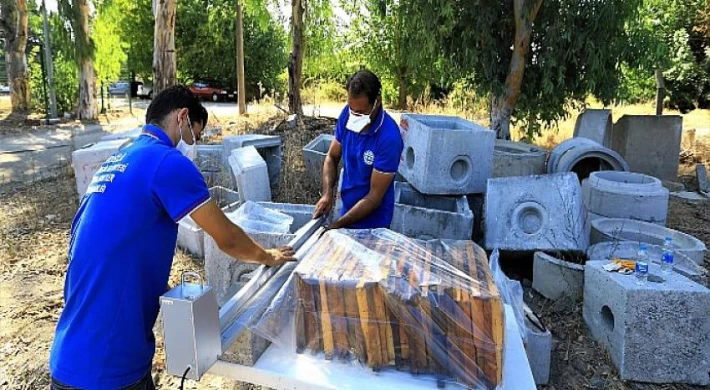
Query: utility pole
point(241, 88)
point(48, 64)
point(660, 91)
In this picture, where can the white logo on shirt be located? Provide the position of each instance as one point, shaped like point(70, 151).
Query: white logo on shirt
point(369, 157)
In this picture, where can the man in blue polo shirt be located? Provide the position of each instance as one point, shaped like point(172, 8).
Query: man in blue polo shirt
point(369, 142)
point(122, 244)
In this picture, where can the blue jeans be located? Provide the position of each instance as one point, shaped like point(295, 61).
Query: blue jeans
point(146, 383)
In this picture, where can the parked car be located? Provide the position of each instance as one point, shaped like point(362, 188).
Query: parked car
point(119, 88)
point(145, 91)
point(209, 90)
point(4, 89)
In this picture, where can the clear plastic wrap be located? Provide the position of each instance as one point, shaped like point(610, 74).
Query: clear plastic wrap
point(255, 217)
point(388, 301)
point(511, 291)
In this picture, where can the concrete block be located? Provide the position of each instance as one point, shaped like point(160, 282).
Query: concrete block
point(226, 274)
point(517, 159)
point(269, 147)
point(428, 217)
point(538, 348)
point(246, 349)
point(682, 264)
point(673, 186)
point(626, 195)
point(128, 134)
point(87, 161)
point(210, 162)
point(536, 213)
point(190, 236)
point(595, 124)
point(251, 175)
point(314, 154)
point(584, 156)
point(446, 155)
point(556, 278)
point(658, 332)
point(631, 137)
point(617, 229)
point(702, 175)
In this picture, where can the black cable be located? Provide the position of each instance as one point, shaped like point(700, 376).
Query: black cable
point(184, 374)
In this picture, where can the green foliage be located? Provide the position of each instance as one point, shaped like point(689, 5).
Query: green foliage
point(110, 55)
point(205, 38)
point(136, 29)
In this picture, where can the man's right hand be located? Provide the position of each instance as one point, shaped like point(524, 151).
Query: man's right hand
point(323, 207)
point(276, 257)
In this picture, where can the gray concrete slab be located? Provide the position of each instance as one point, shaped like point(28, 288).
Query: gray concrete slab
point(702, 175)
point(428, 217)
point(251, 174)
point(518, 159)
point(531, 213)
point(630, 138)
point(556, 278)
point(314, 154)
point(445, 155)
point(658, 332)
point(594, 124)
point(538, 348)
point(269, 147)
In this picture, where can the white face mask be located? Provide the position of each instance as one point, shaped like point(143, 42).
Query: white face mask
point(357, 122)
point(188, 151)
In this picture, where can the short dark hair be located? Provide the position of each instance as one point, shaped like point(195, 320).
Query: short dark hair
point(364, 82)
point(175, 98)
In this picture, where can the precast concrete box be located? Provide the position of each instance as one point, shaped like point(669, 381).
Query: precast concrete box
point(191, 237)
point(314, 154)
point(610, 194)
point(428, 217)
point(531, 213)
point(226, 274)
point(251, 175)
point(445, 155)
point(650, 144)
point(658, 332)
point(87, 161)
point(269, 147)
point(210, 162)
point(518, 159)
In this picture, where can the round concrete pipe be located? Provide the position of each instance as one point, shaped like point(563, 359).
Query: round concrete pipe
point(630, 195)
point(594, 124)
point(517, 159)
point(584, 156)
point(618, 229)
point(682, 264)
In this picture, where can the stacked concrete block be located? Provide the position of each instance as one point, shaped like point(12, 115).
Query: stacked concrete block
point(517, 159)
point(555, 278)
point(609, 194)
point(251, 175)
point(595, 124)
point(532, 213)
point(616, 229)
point(650, 144)
point(445, 155)
point(658, 332)
point(268, 146)
point(314, 154)
point(682, 264)
point(226, 274)
point(427, 217)
point(538, 348)
point(190, 236)
point(702, 175)
point(87, 161)
point(584, 156)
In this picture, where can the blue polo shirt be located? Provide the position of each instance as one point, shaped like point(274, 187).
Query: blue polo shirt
point(120, 253)
point(379, 148)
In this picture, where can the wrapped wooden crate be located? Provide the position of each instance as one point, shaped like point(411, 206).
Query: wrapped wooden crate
point(387, 300)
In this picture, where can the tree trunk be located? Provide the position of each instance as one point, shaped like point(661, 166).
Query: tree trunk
point(87, 108)
point(241, 83)
point(295, 63)
point(502, 106)
point(402, 99)
point(164, 65)
point(14, 26)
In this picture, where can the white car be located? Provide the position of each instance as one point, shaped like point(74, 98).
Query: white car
point(4, 89)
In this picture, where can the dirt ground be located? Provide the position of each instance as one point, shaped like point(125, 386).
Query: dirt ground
point(34, 223)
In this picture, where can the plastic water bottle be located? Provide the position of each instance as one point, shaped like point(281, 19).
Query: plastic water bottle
point(642, 265)
point(667, 259)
